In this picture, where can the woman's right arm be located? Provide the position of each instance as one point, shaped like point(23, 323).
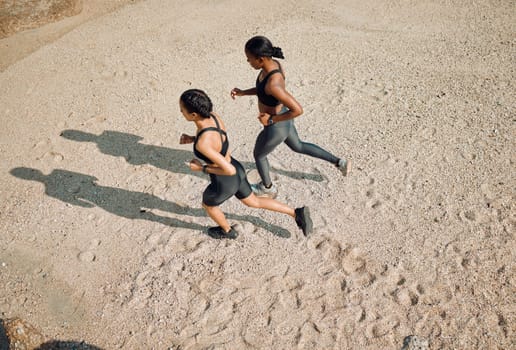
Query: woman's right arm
point(237, 92)
point(208, 145)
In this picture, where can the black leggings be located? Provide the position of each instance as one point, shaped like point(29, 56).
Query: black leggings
point(273, 135)
point(223, 187)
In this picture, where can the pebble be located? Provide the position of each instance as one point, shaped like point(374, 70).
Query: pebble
point(413, 342)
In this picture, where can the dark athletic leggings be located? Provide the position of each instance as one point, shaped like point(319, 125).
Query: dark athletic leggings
point(223, 187)
point(273, 135)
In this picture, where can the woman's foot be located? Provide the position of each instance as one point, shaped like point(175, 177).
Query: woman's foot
point(218, 233)
point(344, 166)
point(260, 190)
point(303, 220)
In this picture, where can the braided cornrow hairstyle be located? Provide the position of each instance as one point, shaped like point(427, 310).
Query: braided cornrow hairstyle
point(197, 101)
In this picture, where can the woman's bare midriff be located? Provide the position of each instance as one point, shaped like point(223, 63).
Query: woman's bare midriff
point(272, 110)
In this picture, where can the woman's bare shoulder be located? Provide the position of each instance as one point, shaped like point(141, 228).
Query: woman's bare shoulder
point(280, 67)
point(220, 120)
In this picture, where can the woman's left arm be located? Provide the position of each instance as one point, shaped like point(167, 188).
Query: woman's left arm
point(276, 88)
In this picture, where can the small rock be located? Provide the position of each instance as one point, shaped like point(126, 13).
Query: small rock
point(20, 334)
point(413, 342)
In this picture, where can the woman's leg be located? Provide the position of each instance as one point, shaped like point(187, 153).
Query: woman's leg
point(268, 139)
point(219, 190)
point(268, 203)
point(310, 149)
point(246, 195)
point(217, 215)
point(300, 215)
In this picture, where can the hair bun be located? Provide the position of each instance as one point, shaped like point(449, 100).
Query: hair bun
point(277, 52)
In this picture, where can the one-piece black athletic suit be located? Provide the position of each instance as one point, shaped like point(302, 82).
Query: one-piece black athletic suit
point(285, 131)
point(222, 187)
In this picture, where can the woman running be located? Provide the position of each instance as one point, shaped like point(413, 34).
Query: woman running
point(277, 109)
point(227, 175)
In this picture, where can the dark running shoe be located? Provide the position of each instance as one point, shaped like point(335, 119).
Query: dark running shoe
point(303, 220)
point(218, 233)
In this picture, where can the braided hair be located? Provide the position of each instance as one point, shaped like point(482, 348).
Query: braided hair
point(197, 101)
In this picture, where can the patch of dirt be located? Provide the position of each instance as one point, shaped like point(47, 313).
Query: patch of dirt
point(18, 15)
point(27, 25)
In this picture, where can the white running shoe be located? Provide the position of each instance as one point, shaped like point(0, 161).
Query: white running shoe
point(260, 190)
point(344, 166)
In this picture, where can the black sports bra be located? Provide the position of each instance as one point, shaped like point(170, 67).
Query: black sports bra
point(267, 100)
point(225, 143)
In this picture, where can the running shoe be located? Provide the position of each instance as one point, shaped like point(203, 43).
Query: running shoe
point(303, 220)
point(260, 190)
point(344, 166)
point(218, 233)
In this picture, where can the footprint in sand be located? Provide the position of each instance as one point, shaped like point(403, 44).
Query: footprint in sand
point(426, 133)
point(106, 73)
point(352, 261)
point(184, 242)
point(376, 92)
point(42, 146)
point(158, 238)
point(96, 119)
point(373, 200)
point(382, 327)
point(287, 330)
point(88, 255)
point(44, 151)
point(142, 291)
point(336, 296)
point(406, 297)
point(375, 298)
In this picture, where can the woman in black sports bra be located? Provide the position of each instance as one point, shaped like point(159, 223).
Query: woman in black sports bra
point(277, 108)
point(227, 175)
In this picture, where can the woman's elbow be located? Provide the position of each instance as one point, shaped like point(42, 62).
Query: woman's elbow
point(297, 111)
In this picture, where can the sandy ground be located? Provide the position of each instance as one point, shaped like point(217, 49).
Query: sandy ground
point(103, 235)
point(27, 25)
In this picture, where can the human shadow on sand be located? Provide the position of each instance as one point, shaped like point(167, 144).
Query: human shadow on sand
point(66, 345)
point(81, 190)
point(125, 145)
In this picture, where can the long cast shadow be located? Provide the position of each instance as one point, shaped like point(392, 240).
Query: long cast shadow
point(125, 145)
point(81, 190)
point(66, 345)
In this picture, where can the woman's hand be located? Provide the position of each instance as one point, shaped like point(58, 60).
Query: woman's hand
point(264, 118)
point(195, 165)
point(236, 92)
point(184, 138)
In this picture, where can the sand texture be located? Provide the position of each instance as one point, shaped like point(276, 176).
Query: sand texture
point(103, 236)
point(21, 15)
